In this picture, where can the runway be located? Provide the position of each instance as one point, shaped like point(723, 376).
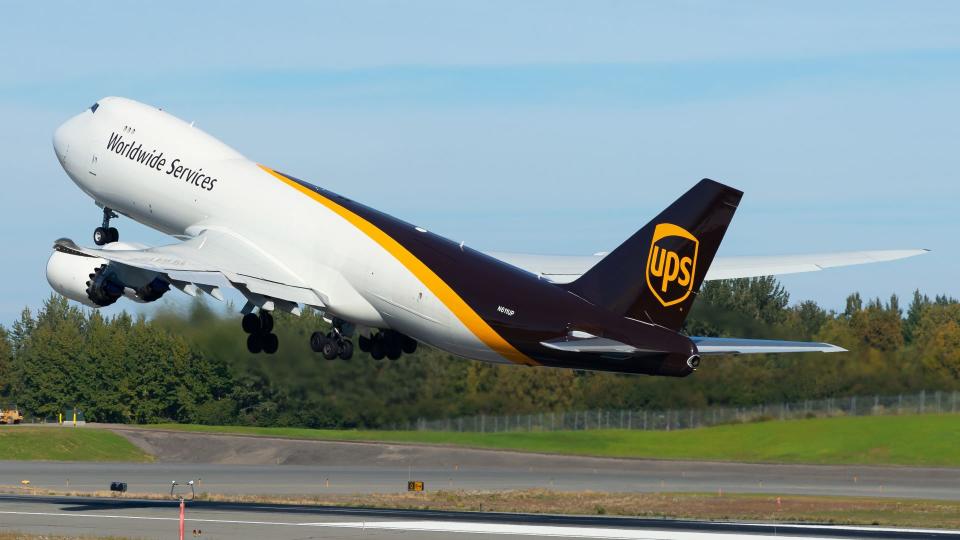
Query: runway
point(158, 519)
point(524, 472)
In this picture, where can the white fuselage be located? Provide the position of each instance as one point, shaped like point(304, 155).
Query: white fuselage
point(165, 173)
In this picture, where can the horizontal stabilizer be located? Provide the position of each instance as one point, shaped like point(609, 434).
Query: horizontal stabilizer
point(716, 345)
point(566, 268)
point(589, 344)
point(775, 265)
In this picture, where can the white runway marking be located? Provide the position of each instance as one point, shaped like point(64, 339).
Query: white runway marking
point(480, 528)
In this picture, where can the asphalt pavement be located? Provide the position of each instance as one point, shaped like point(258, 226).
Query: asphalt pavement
point(160, 519)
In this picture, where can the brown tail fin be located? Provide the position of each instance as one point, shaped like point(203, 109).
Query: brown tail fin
point(655, 274)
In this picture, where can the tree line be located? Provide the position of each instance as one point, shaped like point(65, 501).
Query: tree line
point(192, 366)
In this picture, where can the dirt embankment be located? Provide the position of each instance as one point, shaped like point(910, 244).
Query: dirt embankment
point(182, 447)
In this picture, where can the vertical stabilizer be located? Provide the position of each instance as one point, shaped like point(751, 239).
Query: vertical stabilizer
point(655, 274)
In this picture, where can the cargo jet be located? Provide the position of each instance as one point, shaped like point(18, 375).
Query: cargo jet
point(284, 243)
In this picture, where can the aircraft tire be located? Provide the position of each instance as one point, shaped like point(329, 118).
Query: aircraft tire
point(101, 236)
point(363, 342)
point(254, 344)
point(317, 340)
point(330, 350)
point(346, 349)
point(113, 235)
point(251, 323)
point(376, 349)
point(409, 345)
point(266, 322)
point(394, 351)
point(270, 343)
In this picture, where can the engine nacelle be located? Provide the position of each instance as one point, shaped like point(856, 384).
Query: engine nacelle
point(95, 282)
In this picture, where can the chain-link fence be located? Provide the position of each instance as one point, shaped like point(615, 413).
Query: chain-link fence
point(666, 420)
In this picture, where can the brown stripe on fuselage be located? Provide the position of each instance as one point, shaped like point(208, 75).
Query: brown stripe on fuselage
point(474, 285)
point(374, 226)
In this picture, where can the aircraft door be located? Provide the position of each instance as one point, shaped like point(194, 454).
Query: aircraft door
point(92, 170)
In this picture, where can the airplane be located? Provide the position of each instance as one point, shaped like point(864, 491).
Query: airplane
point(391, 283)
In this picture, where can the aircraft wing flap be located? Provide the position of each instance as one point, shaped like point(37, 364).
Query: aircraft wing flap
point(716, 345)
point(297, 295)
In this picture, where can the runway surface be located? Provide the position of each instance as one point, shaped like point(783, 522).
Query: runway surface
point(570, 474)
point(158, 519)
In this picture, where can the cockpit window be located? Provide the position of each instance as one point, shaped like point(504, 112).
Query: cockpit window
point(94, 107)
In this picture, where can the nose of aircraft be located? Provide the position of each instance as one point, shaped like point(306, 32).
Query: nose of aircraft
point(60, 143)
point(69, 136)
point(61, 139)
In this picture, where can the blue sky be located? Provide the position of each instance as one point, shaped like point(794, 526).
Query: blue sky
point(550, 127)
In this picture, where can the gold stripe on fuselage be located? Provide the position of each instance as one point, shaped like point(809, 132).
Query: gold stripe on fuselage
point(473, 321)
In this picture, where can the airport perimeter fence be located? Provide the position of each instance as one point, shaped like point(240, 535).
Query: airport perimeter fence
point(666, 420)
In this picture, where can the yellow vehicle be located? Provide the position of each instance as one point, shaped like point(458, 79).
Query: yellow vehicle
point(10, 416)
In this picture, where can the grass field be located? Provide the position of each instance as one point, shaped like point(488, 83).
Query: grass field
point(9, 535)
point(66, 444)
point(924, 440)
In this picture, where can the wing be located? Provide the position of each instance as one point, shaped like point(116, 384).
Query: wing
point(566, 268)
point(210, 261)
point(714, 345)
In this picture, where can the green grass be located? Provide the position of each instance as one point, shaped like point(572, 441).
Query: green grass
point(66, 444)
point(920, 440)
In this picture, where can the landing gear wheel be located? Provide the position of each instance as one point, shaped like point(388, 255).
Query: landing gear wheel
point(104, 234)
point(346, 349)
point(254, 344)
point(101, 236)
point(317, 340)
point(266, 322)
point(376, 349)
point(408, 345)
point(270, 343)
point(330, 350)
point(392, 345)
point(364, 343)
point(251, 323)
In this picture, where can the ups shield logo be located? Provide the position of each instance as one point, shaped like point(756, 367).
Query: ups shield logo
point(672, 263)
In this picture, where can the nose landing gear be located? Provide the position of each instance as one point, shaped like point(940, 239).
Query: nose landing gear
point(261, 338)
point(106, 234)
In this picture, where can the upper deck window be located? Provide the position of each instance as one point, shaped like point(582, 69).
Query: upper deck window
point(94, 107)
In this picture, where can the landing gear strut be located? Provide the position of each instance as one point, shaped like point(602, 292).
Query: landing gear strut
point(335, 343)
point(387, 343)
point(259, 326)
point(106, 234)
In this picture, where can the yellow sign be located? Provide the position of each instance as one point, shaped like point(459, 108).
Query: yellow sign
point(414, 485)
point(672, 263)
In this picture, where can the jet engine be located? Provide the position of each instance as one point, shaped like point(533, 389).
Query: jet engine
point(97, 282)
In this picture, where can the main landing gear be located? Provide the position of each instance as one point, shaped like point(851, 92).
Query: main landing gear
point(105, 234)
point(383, 344)
point(259, 326)
point(335, 343)
point(387, 343)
